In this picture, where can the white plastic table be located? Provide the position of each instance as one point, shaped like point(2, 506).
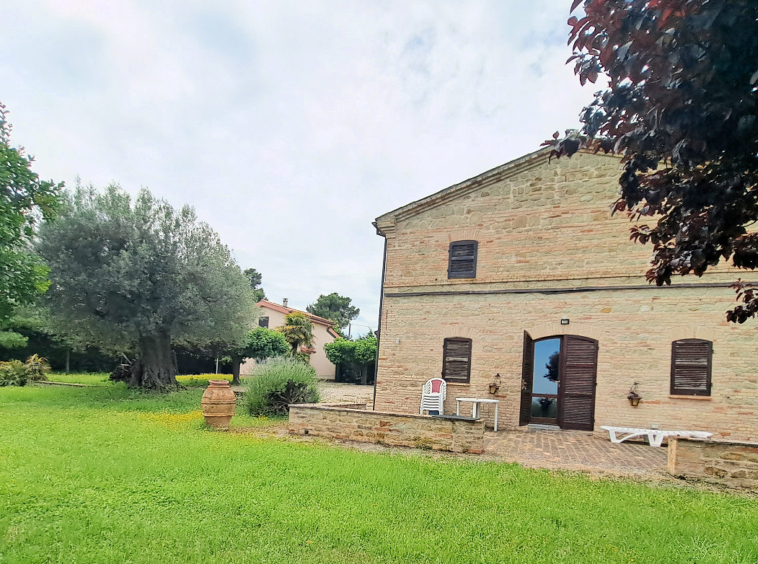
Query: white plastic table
point(475, 408)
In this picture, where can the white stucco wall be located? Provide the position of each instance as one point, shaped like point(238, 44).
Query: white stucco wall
point(324, 368)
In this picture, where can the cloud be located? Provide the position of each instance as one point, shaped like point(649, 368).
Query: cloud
point(288, 125)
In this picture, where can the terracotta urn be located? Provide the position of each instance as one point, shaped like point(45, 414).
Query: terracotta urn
point(218, 404)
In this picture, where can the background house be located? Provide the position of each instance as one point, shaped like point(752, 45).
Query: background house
point(521, 277)
point(272, 316)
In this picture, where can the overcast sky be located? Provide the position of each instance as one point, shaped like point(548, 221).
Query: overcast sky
point(289, 126)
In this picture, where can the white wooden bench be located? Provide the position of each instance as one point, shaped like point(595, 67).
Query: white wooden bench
point(654, 436)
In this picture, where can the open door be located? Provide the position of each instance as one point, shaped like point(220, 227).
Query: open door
point(527, 374)
point(578, 382)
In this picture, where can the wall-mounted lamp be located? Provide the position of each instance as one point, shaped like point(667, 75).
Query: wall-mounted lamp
point(564, 321)
point(495, 384)
point(633, 397)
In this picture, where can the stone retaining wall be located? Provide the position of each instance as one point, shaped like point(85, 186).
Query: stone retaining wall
point(730, 463)
point(353, 423)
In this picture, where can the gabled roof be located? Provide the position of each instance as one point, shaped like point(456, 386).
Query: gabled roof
point(314, 318)
point(509, 169)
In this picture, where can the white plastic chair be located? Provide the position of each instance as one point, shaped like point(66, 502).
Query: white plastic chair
point(433, 396)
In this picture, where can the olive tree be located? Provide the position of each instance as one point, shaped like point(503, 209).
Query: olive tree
point(137, 275)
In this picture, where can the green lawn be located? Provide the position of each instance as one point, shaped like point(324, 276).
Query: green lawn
point(102, 378)
point(93, 379)
point(105, 475)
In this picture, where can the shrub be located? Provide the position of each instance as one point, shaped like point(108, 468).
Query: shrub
point(37, 368)
point(13, 373)
point(302, 357)
point(278, 383)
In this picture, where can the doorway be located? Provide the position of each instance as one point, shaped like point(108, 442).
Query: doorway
point(559, 376)
point(545, 381)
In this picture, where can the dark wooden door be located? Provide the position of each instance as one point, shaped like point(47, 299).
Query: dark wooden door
point(527, 373)
point(578, 382)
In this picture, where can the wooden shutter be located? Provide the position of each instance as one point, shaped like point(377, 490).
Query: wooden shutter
point(462, 259)
point(577, 385)
point(527, 374)
point(691, 367)
point(456, 360)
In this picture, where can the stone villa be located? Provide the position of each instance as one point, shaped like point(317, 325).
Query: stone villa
point(520, 278)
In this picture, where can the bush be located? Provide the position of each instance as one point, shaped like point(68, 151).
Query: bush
point(37, 368)
point(13, 373)
point(278, 383)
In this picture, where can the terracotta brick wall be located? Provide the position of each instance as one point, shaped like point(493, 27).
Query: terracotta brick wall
point(730, 463)
point(543, 227)
point(418, 431)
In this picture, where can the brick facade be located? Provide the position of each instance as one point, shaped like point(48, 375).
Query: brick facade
point(549, 249)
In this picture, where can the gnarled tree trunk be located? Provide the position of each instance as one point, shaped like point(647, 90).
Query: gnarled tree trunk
point(155, 368)
point(236, 364)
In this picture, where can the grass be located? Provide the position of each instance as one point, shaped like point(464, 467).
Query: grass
point(201, 380)
point(93, 379)
point(102, 378)
point(105, 474)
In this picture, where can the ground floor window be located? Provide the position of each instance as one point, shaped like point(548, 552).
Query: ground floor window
point(691, 367)
point(456, 360)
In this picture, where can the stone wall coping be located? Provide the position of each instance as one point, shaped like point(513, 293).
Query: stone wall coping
point(720, 442)
point(336, 407)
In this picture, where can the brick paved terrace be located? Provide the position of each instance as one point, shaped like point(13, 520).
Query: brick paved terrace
point(575, 450)
point(539, 448)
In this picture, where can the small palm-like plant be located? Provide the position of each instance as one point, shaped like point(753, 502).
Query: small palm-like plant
point(298, 330)
point(37, 368)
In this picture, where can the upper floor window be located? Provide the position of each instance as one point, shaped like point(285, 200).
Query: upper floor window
point(263, 322)
point(462, 259)
point(691, 367)
point(456, 360)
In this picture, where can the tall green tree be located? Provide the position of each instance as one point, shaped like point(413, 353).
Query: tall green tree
point(260, 343)
point(255, 278)
point(25, 201)
point(356, 355)
point(334, 307)
point(139, 275)
point(681, 106)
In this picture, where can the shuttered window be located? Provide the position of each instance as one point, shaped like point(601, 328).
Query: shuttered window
point(462, 259)
point(456, 360)
point(691, 367)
